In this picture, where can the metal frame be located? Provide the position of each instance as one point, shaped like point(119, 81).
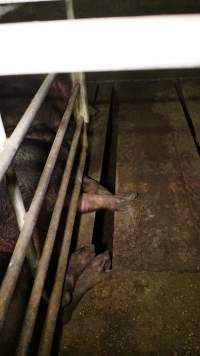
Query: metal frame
point(130, 43)
point(81, 109)
point(36, 294)
point(17, 202)
point(154, 46)
point(27, 220)
point(12, 144)
point(56, 294)
point(17, 259)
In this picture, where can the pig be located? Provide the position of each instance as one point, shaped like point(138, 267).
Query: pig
point(85, 269)
point(30, 160)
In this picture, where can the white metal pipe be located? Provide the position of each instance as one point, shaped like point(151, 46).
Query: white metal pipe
point(2, 134)
point(154, 42)
point(81, 107)
point(17, 202)
point(12, 144)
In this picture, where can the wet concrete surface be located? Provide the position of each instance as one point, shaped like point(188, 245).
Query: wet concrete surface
point(149, 304)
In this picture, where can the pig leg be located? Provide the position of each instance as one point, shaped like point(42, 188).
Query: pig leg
point(96, 197)
point(79, 260)
point(93, 202)
point(93, 274)
point(91, 186)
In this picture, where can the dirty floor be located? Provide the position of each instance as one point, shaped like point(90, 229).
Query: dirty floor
point(149, 303)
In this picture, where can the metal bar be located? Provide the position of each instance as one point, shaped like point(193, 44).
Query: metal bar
point(131, 43)
point(12, 144)
point(34, 301)
point(20, 212)
point(81, 108)
point(16, 261)
point(17, 202)
point(55, 299)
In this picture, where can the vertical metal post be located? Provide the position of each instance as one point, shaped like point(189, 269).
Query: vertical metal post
point(81, 106)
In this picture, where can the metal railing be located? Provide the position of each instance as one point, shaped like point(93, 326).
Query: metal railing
point(17, 259)
point(27, 220)
point(12, 143)
point(38, 286)
point(17, 202)
point(114, 37)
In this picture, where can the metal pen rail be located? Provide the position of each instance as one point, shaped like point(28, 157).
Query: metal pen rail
point(56, 294)
point(36, 294)
point(81, 106)
point(13, 143)
point(17, 259)
point(113, 37)
point(17, 202)
point(27, 220)
point(130, 43)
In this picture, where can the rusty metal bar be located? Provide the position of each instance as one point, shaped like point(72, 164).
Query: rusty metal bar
point(56, 295)
point(81, 108)
point(34, 301)
point(17, 202)
point(13, 142)
point(17, 259)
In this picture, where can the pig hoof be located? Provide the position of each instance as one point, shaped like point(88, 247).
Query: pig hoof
point(93, 274)
point(93, 187)
point(123, 201)
point(77, 263)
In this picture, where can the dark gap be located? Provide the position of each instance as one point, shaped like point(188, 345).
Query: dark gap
point(187, 115)
point(94, 101)
point(76, 228)
point(104, 221)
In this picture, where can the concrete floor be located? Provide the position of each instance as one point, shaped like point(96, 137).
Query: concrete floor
point(149, 304)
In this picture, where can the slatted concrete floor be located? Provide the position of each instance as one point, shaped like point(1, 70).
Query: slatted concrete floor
point(150, 301)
